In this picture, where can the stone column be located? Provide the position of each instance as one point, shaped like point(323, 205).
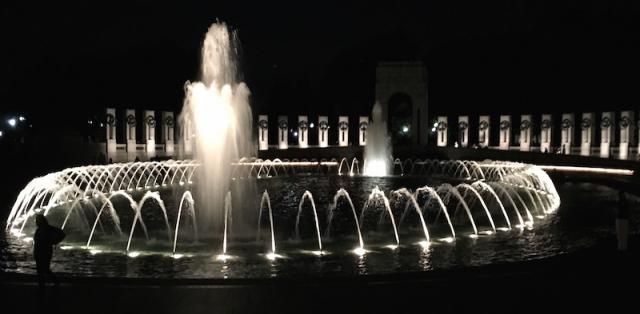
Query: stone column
point(505, 132)
point(566, 137)
point(606, 133)
point(263, 132)
point(463, 131)
point(168, 132)
point(303, 132)
point(323, 131)
point(525, 133)
point(187, 137)
point(483, 131)
point(149, 132)
point(626, 133)
point(283, 135)
point(546, 126)
point(110, 127)
point(442, 127)
point(130, 132)
point(587, 133)
point(362, 134)
point(343, 124)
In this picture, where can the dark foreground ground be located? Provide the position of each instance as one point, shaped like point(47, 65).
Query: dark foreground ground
point(595, 279)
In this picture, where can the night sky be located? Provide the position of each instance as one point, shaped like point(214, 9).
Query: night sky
point(497, 57)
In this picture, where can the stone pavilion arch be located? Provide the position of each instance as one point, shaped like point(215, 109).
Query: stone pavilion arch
point(401, 88)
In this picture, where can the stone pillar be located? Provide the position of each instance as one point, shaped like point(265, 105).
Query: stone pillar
point(362, 134)
point(566, 137)
point(168, 132)
point(638, 134)
point(110, 127)
point(130, 132)
point(443, 128)
point(323, 131)
point(626, 133)
point(263, 132)
point(505, 132)
point(525, 133)
point(463, 131)
point(283, 135)
point(545, 133)
point(303, 131)
point(587, 133)
point(187, 137)
point(483, 131)
point(343, 124)
point(606, 133)
point(149, 132)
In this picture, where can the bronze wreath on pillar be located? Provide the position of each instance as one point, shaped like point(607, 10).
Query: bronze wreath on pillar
point(303, 125)
point(110, 119)
point(546, 124)
point(151, 121)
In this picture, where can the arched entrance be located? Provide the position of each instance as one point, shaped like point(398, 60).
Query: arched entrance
point(401, 88)
point(400, 116)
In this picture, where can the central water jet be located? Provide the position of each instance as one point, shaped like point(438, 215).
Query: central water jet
point(377, 152)
point(216, 122)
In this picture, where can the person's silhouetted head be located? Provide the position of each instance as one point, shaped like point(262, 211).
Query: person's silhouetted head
point(41, 221)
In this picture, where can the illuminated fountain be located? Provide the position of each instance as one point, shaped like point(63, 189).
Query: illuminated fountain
point(217, 114)
point(94, 199)
point(192, 208)
point(377, 152)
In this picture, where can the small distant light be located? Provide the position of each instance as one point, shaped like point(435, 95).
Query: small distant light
point(311, 125)
point(133, 254)
point(359, 251)
point(435, 124)
point(433, 130)
point(101, 125)
point(90, 122)
point(223, 257)
point(405, 129)
point(0, 133)
point(447, 239)
point(21, 118)
point(295, 133)
point(455, 145)
point(12, 122)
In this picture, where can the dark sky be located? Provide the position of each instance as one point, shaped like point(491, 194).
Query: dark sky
point(482, 56)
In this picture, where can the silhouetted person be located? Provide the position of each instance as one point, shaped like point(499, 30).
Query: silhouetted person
point(45, 238)
point(110, 161)
point(137, 159)
point(622, 222)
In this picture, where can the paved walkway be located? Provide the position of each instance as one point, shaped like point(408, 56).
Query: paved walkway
point(597, 277)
